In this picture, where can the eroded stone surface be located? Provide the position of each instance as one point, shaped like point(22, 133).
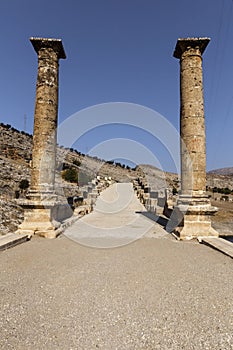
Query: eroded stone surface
point(193, 204)
point(43, 208)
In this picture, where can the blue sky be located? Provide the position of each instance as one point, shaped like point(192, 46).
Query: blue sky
point(120, 51)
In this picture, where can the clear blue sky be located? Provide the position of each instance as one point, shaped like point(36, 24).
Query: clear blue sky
point(120, 50)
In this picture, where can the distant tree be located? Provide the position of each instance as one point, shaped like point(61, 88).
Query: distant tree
point(24, 184)
point(70, 175)
point(226, 190)
point(76, 162)
point(224, 198)
point(65, 166)
point(174, 191)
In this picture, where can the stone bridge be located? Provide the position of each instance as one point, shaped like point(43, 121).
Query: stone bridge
point(45, 208)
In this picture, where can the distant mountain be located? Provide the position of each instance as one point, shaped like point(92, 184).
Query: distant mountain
point(222, 171)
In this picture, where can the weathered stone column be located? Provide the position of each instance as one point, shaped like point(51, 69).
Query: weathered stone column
point(193, 202)
point(49, 52)
point(44, 209)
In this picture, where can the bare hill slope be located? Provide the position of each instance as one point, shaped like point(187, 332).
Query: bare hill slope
point(222, 171)
point(15, 158)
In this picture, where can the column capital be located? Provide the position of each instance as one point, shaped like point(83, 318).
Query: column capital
point(43, 43)
point(185, 44)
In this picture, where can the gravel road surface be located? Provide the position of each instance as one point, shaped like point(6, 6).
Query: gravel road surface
point(154, 293)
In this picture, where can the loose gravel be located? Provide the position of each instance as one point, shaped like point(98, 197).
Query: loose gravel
point(150, 294)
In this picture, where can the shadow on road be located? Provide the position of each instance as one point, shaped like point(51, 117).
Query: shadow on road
point(162, 221)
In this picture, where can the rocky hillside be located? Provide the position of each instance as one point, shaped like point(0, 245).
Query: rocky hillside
point(15, 158)
point(220, 181)
point(16, 154)
point(222, 171)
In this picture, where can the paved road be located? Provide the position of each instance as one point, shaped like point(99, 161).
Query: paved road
point(155, 293)
point(117, 220)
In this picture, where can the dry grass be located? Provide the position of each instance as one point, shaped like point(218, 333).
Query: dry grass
point(223, 219)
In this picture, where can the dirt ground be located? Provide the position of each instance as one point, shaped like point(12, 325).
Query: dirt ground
point(155, 293)
point(223, 219)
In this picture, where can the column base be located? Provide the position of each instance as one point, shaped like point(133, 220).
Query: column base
point(39, 221)
point(194, 217)
point(44, 217)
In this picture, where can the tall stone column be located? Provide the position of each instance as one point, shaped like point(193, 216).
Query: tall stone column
point(49, 52)
point(193, 202)
point(43, 208)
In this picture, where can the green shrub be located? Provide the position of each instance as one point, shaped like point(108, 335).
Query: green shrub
point(24, 184)
point(174, 191)
point(76, 162)
point(70, 175)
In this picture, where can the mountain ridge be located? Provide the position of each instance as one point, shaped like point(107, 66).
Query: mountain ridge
point(227, 171)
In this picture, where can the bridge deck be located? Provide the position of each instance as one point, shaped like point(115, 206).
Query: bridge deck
point(151, 294)
point(118, 218)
